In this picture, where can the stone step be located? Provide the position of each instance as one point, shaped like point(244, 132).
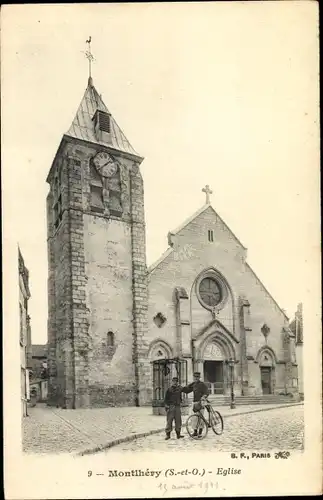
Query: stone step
point(252, 400)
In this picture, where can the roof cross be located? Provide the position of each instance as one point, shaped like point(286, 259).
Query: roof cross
point(207, 192)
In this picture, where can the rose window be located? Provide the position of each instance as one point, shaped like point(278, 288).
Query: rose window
point(210, 292)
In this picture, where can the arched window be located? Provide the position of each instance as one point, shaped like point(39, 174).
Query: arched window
point(110, 339)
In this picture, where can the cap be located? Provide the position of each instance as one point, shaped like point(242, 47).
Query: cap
point(197, 374)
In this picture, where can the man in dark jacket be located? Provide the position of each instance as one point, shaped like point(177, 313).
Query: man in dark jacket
point(200, 391)
point(173, 399)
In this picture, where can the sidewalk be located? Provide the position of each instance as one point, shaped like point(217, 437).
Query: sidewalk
point(52, 431)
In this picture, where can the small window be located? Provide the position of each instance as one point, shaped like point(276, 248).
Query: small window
point(60, 176)
point(210, 235)
point(21, 324)
point(58, 213)
point(110, 339)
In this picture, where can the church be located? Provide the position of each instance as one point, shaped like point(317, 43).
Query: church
point(117, 330)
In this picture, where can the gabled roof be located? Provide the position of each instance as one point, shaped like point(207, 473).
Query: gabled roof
point(182, 226)
point(268, 293)
point(83, 128)
point(188, 221)
point(199, 212)
point(161, 258)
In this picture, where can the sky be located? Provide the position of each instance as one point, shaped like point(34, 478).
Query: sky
point(224, 94)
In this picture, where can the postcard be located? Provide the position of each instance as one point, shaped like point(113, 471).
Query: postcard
point(161, 249)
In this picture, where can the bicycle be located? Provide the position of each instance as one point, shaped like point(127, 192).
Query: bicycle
point(197, 425)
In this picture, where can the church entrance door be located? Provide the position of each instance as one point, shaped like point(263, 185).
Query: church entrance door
point(213, 376)
point(266, 379)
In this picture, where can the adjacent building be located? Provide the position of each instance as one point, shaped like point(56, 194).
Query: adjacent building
point(296, 327)
point(38, 372)
point(24, 331)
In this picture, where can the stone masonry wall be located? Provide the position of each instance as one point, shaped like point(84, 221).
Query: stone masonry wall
point(139, 290)
point(79, 313)
point(105, 259)
point(60, 338)
point(109, 300)
point(51, 322)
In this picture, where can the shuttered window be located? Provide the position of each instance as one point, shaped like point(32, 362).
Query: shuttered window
point(104, 122)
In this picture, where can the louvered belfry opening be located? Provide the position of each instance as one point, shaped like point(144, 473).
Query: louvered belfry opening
point(102, 126)
point(104, 122)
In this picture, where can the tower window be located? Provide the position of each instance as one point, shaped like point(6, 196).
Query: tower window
point(102, 126)
point(104, 122)
point(57, 208)
point(210, 235)
point(21, 324)
point(58, 212)
point(60, 207)
point(96, 198)
point(60, 176)
point(110, 339)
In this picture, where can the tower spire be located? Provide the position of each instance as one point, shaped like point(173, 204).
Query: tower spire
point(89, 56)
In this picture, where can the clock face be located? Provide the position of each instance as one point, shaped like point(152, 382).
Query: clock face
point(105, 164)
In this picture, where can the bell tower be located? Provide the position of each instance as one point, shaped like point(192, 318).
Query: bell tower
point(97, 281)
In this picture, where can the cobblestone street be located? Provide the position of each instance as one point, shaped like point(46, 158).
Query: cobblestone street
point(281, 428)
point(51, 430)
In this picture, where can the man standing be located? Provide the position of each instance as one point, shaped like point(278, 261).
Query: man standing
point(200, 391)
point(173, 399)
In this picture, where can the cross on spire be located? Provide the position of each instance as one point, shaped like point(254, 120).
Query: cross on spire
point(88, 55)
point(207, 192)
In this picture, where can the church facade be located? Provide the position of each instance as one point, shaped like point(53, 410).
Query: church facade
point(110, 317)
point(217, 313)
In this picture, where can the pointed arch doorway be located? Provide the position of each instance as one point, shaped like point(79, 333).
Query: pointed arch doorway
point(214, 368)
point(267, 371)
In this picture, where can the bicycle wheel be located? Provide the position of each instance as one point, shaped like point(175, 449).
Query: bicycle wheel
point(216, 422)
point(196, 427)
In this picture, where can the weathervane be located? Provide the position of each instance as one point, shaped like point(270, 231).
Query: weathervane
point(88, 54)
